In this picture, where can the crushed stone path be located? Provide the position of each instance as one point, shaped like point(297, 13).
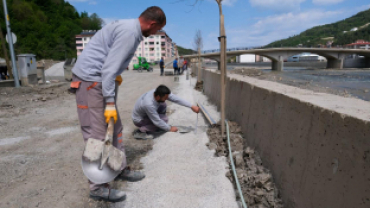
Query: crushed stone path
point(180, 170)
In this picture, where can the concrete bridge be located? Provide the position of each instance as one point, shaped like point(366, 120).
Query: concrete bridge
point(334, 56)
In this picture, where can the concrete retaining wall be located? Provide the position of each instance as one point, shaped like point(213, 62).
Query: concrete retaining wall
point(316, 145)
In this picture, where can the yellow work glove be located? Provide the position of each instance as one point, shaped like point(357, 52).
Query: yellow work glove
point(110, 112)
point(119, 80)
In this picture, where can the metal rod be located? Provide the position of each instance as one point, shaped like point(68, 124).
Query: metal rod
point(233, 166)
point(196, 125)
point(10, 42)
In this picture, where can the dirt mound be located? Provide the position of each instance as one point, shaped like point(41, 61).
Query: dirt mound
point(256, 181)
point(252, 72)
point(199, 86)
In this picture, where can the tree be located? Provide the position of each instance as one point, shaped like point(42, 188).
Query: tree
point(48, 28)
point(198, 45)
point(95, 22)
point(223, 57)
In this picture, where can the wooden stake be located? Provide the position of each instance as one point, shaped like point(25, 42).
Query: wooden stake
point(199, 66)
point(223, 72)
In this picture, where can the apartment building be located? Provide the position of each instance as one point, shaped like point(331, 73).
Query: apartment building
point(154, 47)
point(83, 39)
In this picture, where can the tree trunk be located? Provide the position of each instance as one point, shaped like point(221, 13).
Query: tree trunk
point(6, 55)
point(199, 67)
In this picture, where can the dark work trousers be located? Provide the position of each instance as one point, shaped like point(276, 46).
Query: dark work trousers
point(90, 109)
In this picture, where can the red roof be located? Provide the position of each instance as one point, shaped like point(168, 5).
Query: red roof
point(359, 42)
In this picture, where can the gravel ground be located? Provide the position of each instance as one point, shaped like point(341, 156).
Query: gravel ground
point(180, 170)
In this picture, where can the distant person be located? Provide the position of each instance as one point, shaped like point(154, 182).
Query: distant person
point(161, 65)
point(150, 111)
point(96, 78)
point(185, 65)
point(3, 73)
point(175, 66)
point(180, 63)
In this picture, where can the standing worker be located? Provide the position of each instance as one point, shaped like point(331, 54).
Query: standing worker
point(185, 65)
point(161, 65)
point(96, 78)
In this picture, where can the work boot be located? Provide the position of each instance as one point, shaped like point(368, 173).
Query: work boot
point(142, 135)
point(131, 176)
point(107, 194)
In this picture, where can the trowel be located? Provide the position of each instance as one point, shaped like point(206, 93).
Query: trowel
point(101, 161)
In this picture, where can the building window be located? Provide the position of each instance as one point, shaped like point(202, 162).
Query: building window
point(157, 43)
point(146, 43)
point(139, 49)
point(146, 55)
point(85, 39)
point(139, 54)
point(163, 37)
point(79, 45)
point(146, 49)
point(158, 54)
point(78, 39)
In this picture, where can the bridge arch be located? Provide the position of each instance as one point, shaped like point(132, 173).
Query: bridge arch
point(334, 56)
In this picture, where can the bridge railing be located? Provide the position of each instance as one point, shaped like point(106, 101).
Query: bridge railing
point(264, 47)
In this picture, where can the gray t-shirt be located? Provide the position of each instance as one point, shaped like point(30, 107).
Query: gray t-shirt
point(147, 106)
point(108, 53)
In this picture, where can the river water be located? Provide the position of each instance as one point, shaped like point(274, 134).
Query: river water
point(346, 82)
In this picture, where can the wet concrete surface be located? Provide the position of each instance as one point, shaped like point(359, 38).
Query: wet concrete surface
point(346, 82)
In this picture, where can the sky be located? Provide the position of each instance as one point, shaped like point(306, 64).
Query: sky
point(248, 23)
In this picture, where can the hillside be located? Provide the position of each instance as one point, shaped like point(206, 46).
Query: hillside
point(321, 34)
point(47, 28)
point(184, 51)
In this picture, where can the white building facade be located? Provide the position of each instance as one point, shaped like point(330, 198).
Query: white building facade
point(83, 39)
point(154, 47)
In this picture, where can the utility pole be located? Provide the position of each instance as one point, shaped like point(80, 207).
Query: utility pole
point(10, 42)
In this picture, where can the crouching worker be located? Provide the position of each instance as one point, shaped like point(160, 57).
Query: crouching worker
point(150, 112)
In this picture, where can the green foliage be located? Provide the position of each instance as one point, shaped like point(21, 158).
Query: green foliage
point(316, 35)
point(47, 28)
point(185, 51)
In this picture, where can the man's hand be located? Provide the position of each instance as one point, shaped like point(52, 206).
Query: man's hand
point(110, 112)
point(173, 129)
point(119, 80)
point(196, 109)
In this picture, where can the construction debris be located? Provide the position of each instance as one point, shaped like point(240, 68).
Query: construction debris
point(199, 86)
point(256, 181)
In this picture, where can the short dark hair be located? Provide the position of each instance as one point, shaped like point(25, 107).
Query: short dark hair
point(154, 13)
point(162, 90)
